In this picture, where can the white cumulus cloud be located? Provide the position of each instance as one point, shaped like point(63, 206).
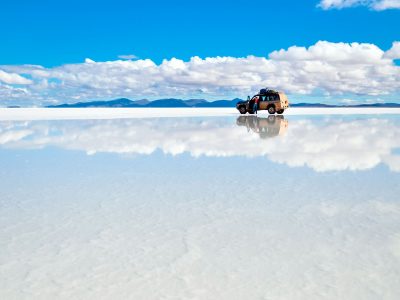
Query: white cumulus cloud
point(325, 68)
point(128, 56)
point(377, 5)
point(12, 78)
point(394, 52)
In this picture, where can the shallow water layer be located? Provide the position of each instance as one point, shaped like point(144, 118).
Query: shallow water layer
point(296, 207)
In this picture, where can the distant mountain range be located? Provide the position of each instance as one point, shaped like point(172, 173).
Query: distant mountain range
point(172, 102)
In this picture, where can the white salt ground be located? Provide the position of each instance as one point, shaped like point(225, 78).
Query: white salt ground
point(189, 239)
point(118, 113)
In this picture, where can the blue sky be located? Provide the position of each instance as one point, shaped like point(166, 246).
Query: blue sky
point(52, 33)
point(57, 34)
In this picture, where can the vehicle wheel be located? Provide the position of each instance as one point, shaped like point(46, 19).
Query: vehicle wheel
point(271, 110)
point(242, 110)
point(280, 111)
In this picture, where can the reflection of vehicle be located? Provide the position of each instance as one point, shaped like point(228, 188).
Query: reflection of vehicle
point(272, 101)
point(265, 127)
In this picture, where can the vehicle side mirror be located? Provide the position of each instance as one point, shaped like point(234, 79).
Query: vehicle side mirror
point(248, 98)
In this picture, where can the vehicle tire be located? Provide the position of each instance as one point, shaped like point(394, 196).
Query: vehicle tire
point(242, 110)
point(271, 110)
point(280, 111)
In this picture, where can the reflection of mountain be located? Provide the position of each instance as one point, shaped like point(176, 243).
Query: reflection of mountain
point(321, 144)
point(265, 127)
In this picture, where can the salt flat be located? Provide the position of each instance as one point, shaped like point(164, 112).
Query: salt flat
point(205, 207)
point(117, 113)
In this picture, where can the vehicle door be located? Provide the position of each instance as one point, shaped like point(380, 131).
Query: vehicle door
point(263, 102)
point(251, 102)
point(273, 99)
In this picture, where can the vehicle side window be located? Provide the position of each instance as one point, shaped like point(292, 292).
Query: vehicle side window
point(263, 98)
point(273, 97)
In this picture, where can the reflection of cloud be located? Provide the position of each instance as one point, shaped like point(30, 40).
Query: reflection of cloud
point(332, 144)
point(13, 135)
point(338, 145)
point(393, 161)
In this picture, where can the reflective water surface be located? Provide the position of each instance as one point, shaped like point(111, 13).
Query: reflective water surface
point(321, 143)
point(296, 207)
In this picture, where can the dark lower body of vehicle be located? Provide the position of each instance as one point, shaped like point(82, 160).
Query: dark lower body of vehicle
point(249, 108)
